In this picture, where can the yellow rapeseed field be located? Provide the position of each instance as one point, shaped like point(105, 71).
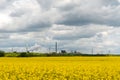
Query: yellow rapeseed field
point(60, 68)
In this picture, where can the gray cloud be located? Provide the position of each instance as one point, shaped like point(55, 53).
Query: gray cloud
point(47, 4)
point(99, 12)
point(5, 4)
point(74, 24)
point(76, 33)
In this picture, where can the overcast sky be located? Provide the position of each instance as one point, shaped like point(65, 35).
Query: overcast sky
point(80, 25)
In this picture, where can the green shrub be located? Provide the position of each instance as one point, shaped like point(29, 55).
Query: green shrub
point(11, 54)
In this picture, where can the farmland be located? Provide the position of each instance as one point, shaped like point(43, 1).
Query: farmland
point(60, 68)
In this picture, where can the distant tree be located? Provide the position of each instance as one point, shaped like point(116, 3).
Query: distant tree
point(2, 53)
point(23, 54)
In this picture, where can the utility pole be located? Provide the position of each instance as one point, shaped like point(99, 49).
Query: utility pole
point(49, 49)
point(12, 50)
point(92, 51)
point(27, 48)
point(56, 46)
point(109, 51)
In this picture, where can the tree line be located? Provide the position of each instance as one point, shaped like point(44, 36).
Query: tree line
point(52, 54)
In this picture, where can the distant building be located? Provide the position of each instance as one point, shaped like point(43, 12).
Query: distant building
point(63, 51)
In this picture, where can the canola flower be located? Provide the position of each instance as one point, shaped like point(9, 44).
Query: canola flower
point(60, 68)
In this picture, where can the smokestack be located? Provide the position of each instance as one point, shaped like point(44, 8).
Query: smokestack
point(56, 47)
